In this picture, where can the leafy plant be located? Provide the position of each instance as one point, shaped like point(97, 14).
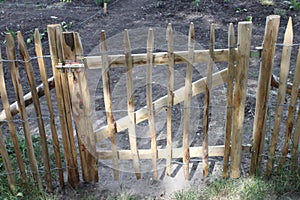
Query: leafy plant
point(294, 5)
point(66, 1)
point(66, 26)
point(197, 3)
point(267, 2)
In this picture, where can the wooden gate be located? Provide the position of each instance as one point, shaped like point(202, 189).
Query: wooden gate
point(70, 66)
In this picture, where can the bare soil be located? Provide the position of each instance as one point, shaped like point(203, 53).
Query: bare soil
point(138, 16)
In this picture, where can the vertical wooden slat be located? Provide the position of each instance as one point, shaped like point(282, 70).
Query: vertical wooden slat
point(11, 125)
point(229, 105)
point(108, 103)
point(36, 102)
point(150, 43)
point(7, 164)
point(130, 105)
point(170, 103)
point(270, 37)
point(44, 77)
point(295, 143)
point(291, 112)
point(80, 103)
point(284, 72)
point(11, 55)
point(54, 35)
point(187, 100)
point(208, 87)
point(243, 54)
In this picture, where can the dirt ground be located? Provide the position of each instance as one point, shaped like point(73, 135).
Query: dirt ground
point(138, 16)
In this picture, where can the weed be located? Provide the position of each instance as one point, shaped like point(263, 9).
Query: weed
point(294, 5)
point(267, 2)
point(278, 11)
point(66, 1)
point(197, 3)
point(66, 26)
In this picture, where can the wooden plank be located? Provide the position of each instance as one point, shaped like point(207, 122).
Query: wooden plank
point(130, 104)
point(11, 124)
point(229, 104)
point(7, 165)
point(284, 72)
point(14, 109)
point(264, 82)
point(108, 106)
point(159, 105)
point(291, 112)
point(11, 55)
point(150, 43)
point(54, 35)
point(206, 110)
point(46, 89)
point(243, 55)
point(170, 100)
point(161, 58)
point(187, 101)
point(36, 102)
point(195, 152)
point(81, 108)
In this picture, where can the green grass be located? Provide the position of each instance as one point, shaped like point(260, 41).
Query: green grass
point(281, 185)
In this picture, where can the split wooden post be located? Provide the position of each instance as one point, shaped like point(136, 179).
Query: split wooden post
point(130, 105)
point(11, 124)
point(44, 77)
point(291, 113)
point(55, 39)
point(7, 164)
point(81, 106)
point(243, 56)
point(11, 55)
point(150, 43)
point(108, 104)
point(170, 101)
point(284, 72)
point(36, 102)
point(206, 110)
point(264, 82)
point(229, 105)
point(187, 101)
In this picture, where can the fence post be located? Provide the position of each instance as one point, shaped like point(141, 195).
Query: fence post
point(81, 106)
point(230, 86)
point(284, 72)
point(243, 55)
point(264, 81)
point(62, 97)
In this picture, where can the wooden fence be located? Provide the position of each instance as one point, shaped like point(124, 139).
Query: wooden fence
point(74, 104)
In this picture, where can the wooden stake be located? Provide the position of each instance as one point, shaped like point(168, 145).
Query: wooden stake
point(170, 100)
point(46, 89)
point(291, 114)
point(130, 105)
point(187, 101)
point(11, 55)
point(108, 104)
point(207, 100)
point(243, 55)
point(150, 44)
point(270, 37)
point(36, 102)
point(7, 164)
point(11, 124)
point(229, 105)
point(284, 72)
point(55, 35)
